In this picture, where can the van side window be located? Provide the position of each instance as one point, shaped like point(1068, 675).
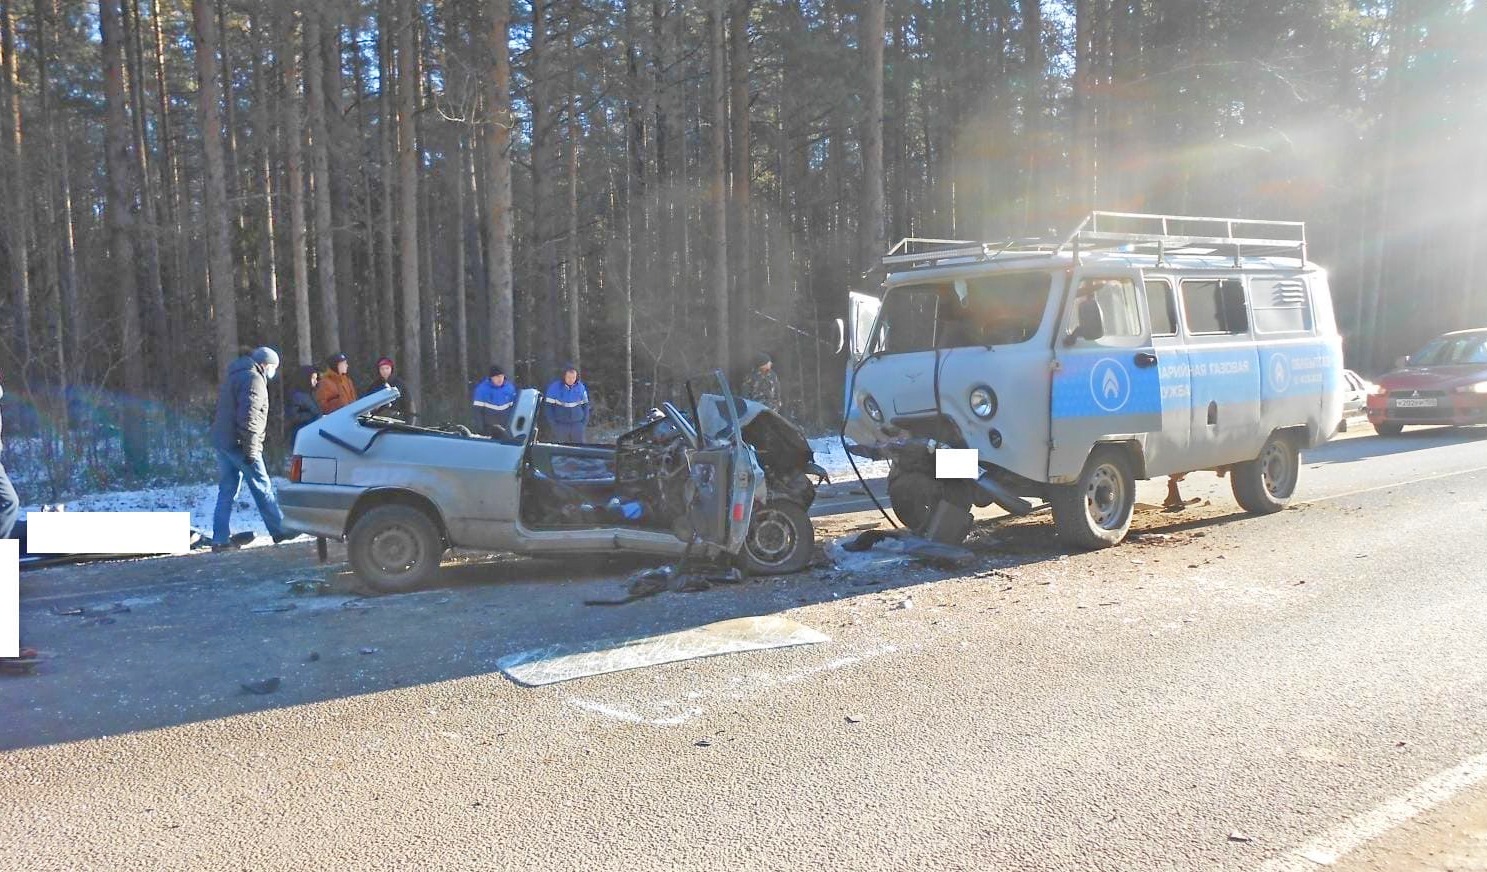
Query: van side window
point(1163, 306)
point(1280, 305)
point(1215, 306)
point(1119, 308)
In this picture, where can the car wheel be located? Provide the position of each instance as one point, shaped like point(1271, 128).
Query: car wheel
point(781, 540)
point(915, 496)
point(1388, 428)
point(395, 548)
point(1095, 512)
point(1265, 484)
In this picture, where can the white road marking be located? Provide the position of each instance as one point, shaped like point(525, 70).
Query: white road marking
point(1380, 487)
point(1360, 829)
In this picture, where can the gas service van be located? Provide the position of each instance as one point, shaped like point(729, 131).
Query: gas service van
point(1138, 346)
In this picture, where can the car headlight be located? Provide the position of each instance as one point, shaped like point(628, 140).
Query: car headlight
point(1478, 388)
point(983, 402)
point(871, 407)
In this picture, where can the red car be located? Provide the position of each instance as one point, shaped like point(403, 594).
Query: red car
point(1443, 383)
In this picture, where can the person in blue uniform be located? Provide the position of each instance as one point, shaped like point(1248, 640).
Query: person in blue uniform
point(494, 400)
point(565, 404)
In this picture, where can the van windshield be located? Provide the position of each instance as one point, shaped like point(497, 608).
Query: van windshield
point(1003, 309)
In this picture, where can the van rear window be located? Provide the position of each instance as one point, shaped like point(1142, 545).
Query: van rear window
point(1280, 305)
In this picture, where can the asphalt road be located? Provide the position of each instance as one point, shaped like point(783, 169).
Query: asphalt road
point(1222, 692)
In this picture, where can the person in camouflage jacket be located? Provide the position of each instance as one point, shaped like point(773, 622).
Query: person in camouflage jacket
point(10, 504)
point(763, 385)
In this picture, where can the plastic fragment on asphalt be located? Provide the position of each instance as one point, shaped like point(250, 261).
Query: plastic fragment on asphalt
point(558, 663)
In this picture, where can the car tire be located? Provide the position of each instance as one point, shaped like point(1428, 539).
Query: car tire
point(1264, 485)
point(395, 548)
point(915, 496)
point(1095, 512)
point(1388, 428)
point(781, 540)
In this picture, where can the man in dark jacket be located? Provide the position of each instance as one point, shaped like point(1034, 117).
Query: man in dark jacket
point(494, 399)
point(300, 408)
point(566, 403)
point(237, 434)
point(402, 407)
point(10, 504)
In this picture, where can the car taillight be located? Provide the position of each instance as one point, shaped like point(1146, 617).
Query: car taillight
point(738, 509)
point(296, 467)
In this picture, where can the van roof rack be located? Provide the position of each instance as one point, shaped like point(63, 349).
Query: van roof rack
point(1165, 236)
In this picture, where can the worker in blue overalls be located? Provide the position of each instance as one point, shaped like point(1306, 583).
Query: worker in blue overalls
point(495, 398)
point(566, 404)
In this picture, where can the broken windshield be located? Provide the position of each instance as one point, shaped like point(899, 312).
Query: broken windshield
point(1002, 309)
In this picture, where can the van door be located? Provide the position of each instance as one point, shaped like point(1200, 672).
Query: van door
point(1225, 373)
point(862, 314)
point(1105, 380)
point(1167, 451)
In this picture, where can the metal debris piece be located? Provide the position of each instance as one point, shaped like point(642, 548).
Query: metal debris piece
point(276, 607)
point(369, 650)
point(262, 686)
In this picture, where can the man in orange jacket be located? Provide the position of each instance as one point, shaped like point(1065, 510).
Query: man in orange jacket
point(335, 389)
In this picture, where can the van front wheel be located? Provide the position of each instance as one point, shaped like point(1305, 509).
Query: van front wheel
point(1264, 485)
point(1095, 512)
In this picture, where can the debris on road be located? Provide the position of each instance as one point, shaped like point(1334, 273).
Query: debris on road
point(1237, 836)
point(25, 664)
point(369, 650)
point(276, 607)
point(703, 743)
point(881, 548)
point(853, 719)
point(314, 655)
point(262, 686)
point(904, 604)
point(308, 586)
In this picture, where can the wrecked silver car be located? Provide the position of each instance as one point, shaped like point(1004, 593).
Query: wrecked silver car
point(724, 479)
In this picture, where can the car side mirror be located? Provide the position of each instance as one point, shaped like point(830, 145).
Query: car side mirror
point(1091, 324)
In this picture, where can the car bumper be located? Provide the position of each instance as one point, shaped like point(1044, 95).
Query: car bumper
point(1460, 409)
point(318, 509)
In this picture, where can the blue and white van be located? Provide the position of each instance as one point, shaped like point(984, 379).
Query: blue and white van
point(1138, 346)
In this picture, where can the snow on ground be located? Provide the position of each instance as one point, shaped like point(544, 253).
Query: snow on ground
point(198, 499)
point(831, 457)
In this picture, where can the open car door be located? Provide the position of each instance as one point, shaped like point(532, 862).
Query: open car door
point(725, 475)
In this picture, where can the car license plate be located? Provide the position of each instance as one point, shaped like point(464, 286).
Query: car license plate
point(1415, 404)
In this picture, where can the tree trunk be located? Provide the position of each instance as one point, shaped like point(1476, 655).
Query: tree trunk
point(157, 340)
point(742, 172)
point(461, 267)
point(572, 274)
point(294, 141)
point(544, 130)
point(498, 190)
point(320, 184)
point(170, 176)
point(873, 233)
point(387, 147)
point(1032, 108)
point(57, 313)
point(1081, 197)
point(120, 208)
point(717, 187)
point(18, 221)
point(219, 243)
point(412, 350)
point(263, 132)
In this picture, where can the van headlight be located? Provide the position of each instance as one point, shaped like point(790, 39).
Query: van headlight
point(983, 402)
point(871, 407)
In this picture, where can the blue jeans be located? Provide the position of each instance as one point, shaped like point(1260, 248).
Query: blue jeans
point(10, 505)
point(571, 434)
point(233, 470)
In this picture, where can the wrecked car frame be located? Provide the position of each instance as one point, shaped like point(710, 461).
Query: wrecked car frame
point(730, 479)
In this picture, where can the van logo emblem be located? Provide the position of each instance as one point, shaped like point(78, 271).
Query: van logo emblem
point(1279, 373)
point(1110, 384)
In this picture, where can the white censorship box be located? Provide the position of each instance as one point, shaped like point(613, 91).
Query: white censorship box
point(957, 463)
point(108, 532)
point(10, 597)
